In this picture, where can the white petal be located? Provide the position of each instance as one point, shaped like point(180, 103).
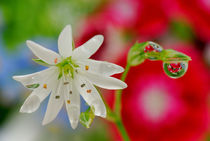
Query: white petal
point(105, 82)
point(65, 42)
point(33, 102)
point(100, 67)
point(44, 54)
point(88, 48)
point(72, 101)
point(37, 77)
point(92, 97)
point(55, 104)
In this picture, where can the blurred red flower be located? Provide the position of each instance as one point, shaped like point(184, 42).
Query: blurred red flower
point(158, 108)
point(198, 13)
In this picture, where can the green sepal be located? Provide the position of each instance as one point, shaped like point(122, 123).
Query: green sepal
point(136, 54)
point(87, 117)
point(32, 86)
point(170, 55)
point(60, 75)
point(41, 62)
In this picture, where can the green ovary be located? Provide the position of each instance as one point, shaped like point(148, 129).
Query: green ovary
point(67, 67)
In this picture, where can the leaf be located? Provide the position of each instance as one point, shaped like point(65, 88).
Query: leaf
point(86, 118)
point(171, 55)
point(41, 62)
point(136, 54)
point(33, 86)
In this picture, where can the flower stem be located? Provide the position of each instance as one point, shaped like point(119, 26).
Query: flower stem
point(115, 116)
point(118, 105)
point(117, 109)
point(122, 130)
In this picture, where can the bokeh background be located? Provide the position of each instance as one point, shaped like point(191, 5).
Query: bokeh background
point(155, 107)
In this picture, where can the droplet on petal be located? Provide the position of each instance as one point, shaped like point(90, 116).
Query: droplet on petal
point(175, 69)
point(45, 86)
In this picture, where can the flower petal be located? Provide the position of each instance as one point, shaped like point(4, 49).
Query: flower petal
point(55, 103)
point(37, 77)
point(65, 42)
point(104, 81)
point(44, 54)
point(72, 101)
point(91, 96)
point(88, 48)
point(32, 103)
point(100, 67)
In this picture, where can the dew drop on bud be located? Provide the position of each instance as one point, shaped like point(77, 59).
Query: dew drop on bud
point(152, 51)
point(175, 69)
point(153, 47)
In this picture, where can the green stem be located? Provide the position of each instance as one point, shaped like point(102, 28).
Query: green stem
point(122, 130)
point(117, 108)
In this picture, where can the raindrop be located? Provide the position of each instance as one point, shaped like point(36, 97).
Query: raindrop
point(175, 69)
point(152, 50)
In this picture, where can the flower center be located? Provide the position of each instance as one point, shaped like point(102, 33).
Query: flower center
point(67, 67)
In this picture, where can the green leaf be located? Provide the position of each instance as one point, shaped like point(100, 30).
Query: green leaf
point(41, 62)
point(33, 86)
point(136, 54)
point(86, 118)
point(171, 55)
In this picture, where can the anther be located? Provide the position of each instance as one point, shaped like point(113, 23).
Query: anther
point(57, 96)
point(82, 85)
point(70, 92)
point(68, 101)
point(45, 86)
point(56, 60)
point(86, 67)
point(89, 91)
point(65, 83)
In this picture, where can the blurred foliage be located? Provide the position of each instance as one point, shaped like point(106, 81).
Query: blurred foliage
point(182, 30)
point(98, 132)
point(24, 19)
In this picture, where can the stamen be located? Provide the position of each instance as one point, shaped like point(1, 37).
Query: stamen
point(76, 71)
point(86, 67)
point(56, 60)
point(70, 92)
point(82, 85)
point(65, 83)
point(57, 96)
point(89, 91)
point(45, 86)
point(68, 101)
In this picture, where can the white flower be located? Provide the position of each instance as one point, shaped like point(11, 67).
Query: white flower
point(71, 73)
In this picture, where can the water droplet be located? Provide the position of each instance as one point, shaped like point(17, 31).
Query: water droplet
point(175, 69)
point(153, 47)
point(152, 50)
